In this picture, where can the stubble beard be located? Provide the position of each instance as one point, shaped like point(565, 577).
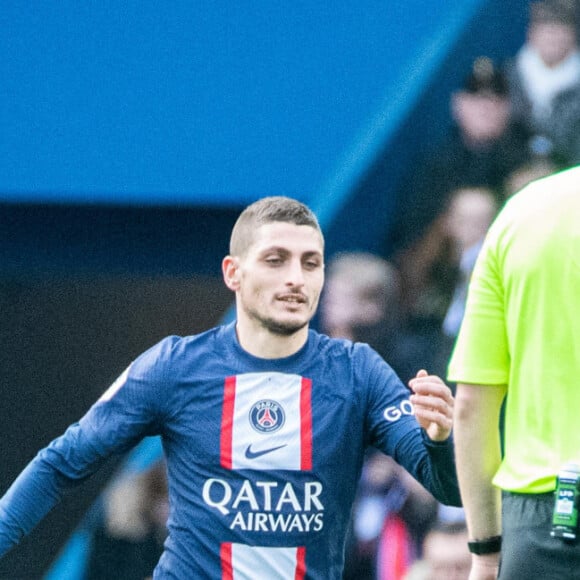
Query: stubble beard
point(275, 326)
point(278, 327)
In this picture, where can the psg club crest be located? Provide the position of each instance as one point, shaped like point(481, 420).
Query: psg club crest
point(267, 416)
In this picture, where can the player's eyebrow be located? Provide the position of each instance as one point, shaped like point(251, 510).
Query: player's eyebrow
point(313, 254)
point(283, 251)
point(275, 250)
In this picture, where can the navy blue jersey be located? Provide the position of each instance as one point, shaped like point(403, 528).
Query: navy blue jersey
point(263, 456)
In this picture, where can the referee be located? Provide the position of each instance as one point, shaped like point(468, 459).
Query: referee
point(520, 343)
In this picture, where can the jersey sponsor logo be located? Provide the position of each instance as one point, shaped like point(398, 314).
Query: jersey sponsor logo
point(267, 416)
point(267, 506)
point(395, 412)
point(252, 454)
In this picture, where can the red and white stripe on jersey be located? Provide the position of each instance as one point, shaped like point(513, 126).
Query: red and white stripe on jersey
point(241, 562)
point(289, 446)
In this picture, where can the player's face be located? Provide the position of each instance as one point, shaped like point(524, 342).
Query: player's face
point(281, 277)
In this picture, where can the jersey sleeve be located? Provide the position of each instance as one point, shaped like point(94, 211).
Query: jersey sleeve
point(389, 411)
point(394, 430)
point(129, 410)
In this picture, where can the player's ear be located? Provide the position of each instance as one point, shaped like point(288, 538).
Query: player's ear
point(231, 272)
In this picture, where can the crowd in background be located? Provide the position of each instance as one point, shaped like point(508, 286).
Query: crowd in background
point(513, 122)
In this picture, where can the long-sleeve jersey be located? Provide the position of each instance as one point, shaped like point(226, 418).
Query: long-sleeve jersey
point(263, 455)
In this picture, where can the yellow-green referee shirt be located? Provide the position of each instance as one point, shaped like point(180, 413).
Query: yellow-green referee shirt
point(522, 328)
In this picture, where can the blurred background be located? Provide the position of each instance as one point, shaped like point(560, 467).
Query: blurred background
point(133, 133)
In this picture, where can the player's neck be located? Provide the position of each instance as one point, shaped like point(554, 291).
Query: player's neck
point(262, 343)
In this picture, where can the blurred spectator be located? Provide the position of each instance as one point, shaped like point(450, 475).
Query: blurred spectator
point(361, 302)
point(391, 515)
point(544, 80)
point(435, 270)
point(526, 173)
point(445, 554)
point(470, 213)
point(129, 542)
point(484, 147)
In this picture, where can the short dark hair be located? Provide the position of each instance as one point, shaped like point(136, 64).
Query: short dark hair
point(267, 210)
point(485, 78)
point(554, 11)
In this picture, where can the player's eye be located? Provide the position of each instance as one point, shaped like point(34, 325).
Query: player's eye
point(312, 264)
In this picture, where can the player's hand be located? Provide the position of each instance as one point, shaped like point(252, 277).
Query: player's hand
point(433, 405)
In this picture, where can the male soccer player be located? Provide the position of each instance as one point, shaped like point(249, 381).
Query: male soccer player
point(519, 338)
point(264, 422)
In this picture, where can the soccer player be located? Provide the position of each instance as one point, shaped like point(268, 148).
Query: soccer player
point(264, 422)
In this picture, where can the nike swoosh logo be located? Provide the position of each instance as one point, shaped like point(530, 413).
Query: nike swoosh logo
point(255, 454)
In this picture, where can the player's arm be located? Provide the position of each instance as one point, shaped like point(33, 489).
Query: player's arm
point(478, 451)
point(40, 487)
point(55, 470)
point(128, 411)
point(428, 455)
